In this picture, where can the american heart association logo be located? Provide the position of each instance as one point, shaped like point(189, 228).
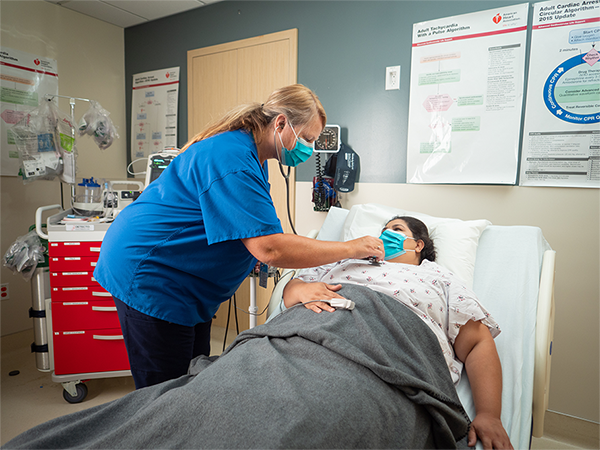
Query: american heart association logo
point(497, 18)
point(167, 75)
point(36, 62)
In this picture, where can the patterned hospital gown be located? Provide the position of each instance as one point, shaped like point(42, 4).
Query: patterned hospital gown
point(434, 293)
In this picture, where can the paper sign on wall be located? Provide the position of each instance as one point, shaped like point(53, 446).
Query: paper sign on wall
point(466, 94)
point(561, 138)
point(154, 112)
point(24, 81)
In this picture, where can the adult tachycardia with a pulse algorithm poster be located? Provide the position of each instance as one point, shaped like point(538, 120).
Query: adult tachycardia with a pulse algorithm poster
point(186, 244)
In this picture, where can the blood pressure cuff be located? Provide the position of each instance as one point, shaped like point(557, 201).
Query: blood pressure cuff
point(346, 169)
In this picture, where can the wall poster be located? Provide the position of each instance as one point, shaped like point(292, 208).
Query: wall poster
point(561, 138)
point(24, 81)
point(154, 112)
point(466, 97)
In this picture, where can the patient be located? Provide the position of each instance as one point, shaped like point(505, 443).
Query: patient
point(464, 329)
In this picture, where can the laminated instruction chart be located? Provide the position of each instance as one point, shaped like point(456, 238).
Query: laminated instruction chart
point(466, 96)
point(154, 112)
point(561, 139)
point(25, 79)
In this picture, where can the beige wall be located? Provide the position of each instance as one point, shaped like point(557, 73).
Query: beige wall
point(90, 57)
point(569, 219)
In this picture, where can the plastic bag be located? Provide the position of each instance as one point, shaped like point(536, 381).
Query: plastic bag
point(35, 139)
point(95, 122)
point(64, 134)
point(25, 254)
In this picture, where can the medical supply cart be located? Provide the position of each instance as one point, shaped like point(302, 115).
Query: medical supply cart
point(84, 335)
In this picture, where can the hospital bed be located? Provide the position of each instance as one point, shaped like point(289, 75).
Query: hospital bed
point(511, 269)
point(372, 377)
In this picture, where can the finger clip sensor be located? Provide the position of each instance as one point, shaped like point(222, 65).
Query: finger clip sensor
point(340, 303)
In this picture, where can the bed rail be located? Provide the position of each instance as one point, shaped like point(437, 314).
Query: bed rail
point(544, 332)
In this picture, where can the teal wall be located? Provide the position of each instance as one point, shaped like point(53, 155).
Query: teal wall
point(343, 50)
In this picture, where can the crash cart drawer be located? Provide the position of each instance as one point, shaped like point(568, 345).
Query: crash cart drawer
point(74, 248)
point(73, 263)
point(86, 351)
point(69, 316)
point(78, 293)
point(81, 278)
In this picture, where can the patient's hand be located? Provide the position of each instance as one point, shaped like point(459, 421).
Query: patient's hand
point(298, 291)
point(490, 432)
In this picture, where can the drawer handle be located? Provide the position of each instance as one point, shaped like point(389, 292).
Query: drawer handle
point(104, 308)
point(101, 294)
point(100, 337)
point(95, 249)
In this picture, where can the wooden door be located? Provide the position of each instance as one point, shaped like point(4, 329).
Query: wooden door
point(226, 75)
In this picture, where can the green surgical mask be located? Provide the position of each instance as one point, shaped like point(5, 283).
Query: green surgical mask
point(300, 153)
point(393, 243)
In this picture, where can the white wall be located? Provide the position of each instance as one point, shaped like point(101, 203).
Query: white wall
point(90, 57)
point(570, 221)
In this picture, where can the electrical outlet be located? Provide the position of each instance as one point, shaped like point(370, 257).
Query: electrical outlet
point(392, 78)
point(4, 291)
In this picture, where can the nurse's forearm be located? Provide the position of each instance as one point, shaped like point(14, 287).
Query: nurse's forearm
point(296, 252)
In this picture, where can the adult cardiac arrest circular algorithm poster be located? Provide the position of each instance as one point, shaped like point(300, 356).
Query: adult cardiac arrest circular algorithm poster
point(561, 136)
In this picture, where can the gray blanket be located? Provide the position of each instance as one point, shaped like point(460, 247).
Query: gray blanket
point(373, 377)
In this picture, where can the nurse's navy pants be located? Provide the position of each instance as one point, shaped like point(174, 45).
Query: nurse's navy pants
point(159, 350)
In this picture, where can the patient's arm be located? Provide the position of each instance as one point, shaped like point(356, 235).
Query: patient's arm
point(298, 291)
point(475, 347)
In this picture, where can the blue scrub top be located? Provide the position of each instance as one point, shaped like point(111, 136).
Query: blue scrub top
point(175, 253)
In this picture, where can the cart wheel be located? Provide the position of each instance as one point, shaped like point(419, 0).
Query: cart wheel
point(82, 391)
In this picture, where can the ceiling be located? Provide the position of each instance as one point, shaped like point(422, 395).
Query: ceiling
point(127, 13)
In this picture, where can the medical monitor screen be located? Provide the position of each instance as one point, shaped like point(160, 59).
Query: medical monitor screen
point(157, 163)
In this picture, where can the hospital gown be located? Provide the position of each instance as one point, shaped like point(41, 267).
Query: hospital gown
point(434, 293)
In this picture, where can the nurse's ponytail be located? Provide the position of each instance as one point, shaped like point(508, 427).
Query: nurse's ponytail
point(298, 103)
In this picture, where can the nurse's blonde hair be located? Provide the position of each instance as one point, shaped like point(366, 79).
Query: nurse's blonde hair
point(296, 102)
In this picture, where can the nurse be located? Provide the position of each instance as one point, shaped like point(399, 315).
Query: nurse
point(188, 242)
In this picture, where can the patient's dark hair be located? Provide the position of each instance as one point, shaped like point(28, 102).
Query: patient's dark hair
point(419, 231)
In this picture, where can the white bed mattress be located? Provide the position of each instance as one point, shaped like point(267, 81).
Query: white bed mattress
point(507, 274)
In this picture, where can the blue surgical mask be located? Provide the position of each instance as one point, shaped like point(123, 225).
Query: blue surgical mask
point(393, 243)
point(300, 153)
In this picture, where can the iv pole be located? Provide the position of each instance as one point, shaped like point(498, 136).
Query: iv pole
point(50, 97)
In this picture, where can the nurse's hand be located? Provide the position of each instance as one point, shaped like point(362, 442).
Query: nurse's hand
point(367, 246)
point(297, 291)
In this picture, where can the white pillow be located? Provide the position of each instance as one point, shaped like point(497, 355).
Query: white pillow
point(455, 240)
point(333, 226)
